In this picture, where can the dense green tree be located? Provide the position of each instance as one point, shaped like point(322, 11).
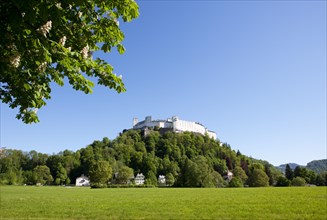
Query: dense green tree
point(311, 177)
point(298, 181)
point(28, 177)
point(257, 166)
point(269, 174)
point(240, 173)
point(258, 178)
point(300, 171)
point(151, 179)
point(100, 172)
point(244, 164)
point(218, 180)
point(308, 175)
point(61, 177)
point(189, 174)
point(289, 172)
point(198, 173)
point(11, 166)
point(236, 182)
point(283, 181)
point(12, 176)
point(46, 41)
point(35, 159)
point(53, 164)
point(149, 163)
point(204, 172)
point(124, 175)
point(87, 159)
point(72, 164)
point(170, 180)
point(151, 141)
point(187, 160)
point(42, 175)
point(219, 165)
point(321, 179)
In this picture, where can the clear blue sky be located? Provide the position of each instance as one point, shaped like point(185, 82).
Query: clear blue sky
point(253, 71)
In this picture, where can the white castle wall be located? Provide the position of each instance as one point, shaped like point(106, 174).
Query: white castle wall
point(176, 124)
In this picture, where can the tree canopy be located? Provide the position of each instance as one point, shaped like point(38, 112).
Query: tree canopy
point(186, 159)
point(49, 41)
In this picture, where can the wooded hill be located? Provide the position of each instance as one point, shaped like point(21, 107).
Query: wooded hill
point(319, 166)
point(186, 159)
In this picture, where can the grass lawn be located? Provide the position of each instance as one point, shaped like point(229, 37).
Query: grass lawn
point(30, 202)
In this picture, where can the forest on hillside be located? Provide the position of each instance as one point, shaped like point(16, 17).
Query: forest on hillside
point(319, 166)
point(186, 159)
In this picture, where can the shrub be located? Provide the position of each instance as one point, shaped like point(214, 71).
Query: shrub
point(283, 181)
point(236, 182)
point(298, 181)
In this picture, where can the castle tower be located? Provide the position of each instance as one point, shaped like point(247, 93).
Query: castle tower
point(135, 121)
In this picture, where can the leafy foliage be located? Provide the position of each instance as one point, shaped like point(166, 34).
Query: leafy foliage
point(100, 172)
point(289, 172)
point(258, 178)
point(298, 181)
point(240, 173)
point(186, 159)
point(236, 182)
point(283, 181)
point(47, 41)
point(42, 175)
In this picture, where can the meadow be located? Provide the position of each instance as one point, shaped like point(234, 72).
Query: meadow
point(30, 202)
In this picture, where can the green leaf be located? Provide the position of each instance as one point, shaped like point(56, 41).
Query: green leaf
point(27, 31)
point(27, 86)
point(121, 48)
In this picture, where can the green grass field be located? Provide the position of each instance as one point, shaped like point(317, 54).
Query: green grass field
point(27, 202)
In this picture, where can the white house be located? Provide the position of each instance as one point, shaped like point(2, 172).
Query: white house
point(82, 181)
point(139, 179)
point(162, 180)
point(229, 175)
point(175, 124)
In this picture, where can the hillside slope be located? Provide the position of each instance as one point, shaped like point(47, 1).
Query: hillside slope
point(319, 166)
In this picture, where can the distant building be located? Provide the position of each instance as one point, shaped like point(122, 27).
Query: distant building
point(82, 181)
point(229, 176)
point(139, 179)
point(174, 124)
point(162, 180)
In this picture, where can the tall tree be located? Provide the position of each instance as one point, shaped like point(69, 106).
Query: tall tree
point(42, 175)
point(258, 178)
point(298, 181)
point(321, 179)
point(170, 180)
point(269, 174)
point(235, 182)
point(100, 172)
point(61, 175)
point(240, 173)
point(283, 181)
point(289, 172)
point(218, 180)
point(46, 41)
point(124, 174)
point(151, 178)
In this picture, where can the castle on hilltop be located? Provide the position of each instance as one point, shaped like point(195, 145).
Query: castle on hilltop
point(173, 124)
